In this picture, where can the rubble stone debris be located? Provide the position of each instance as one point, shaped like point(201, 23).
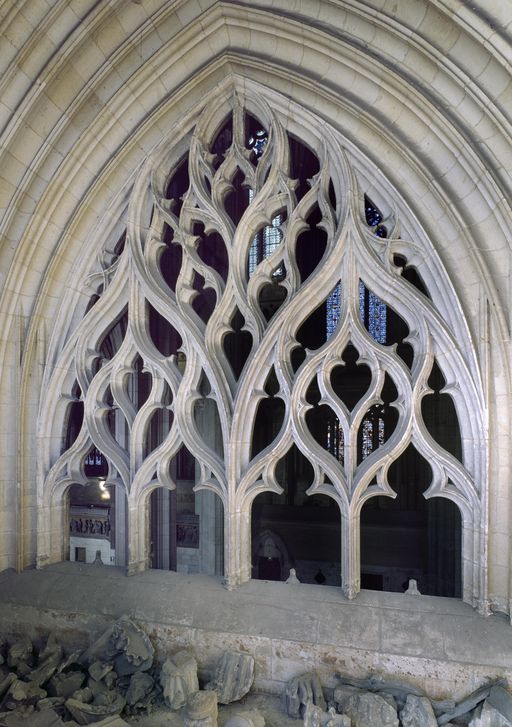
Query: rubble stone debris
point(126, 645)
point(299, 691)
point(417, 712)
point(314, 717)
point(250, 718)
point(20, 653)
point(85, 713)
point(140, 692)
point(234, 675)
point(201, 710)
point(367, 710)
point(178, 679)
point(41, 686)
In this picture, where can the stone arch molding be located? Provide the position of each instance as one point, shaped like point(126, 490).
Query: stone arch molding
point(133, 280)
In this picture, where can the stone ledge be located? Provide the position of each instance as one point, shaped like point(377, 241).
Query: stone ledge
point(439, 644)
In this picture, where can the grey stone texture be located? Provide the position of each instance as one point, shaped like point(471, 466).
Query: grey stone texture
point(248, 718)
point(369, 710)
point(234, 676)
point(417, 712)
point(201, 710)
point(300, 691)
point(489, 716)
point(178, 679)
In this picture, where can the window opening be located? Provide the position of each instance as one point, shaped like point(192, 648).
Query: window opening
point(217, 351)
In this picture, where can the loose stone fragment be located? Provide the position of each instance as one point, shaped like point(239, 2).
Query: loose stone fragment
point(234, 675)
point(6, 683)
point(501, 700)
point(48, 718)
point(124, 644)
point(201, 710)
point(467, 704)
point(72, 659)
point(488, 716)
point(99, 669)
point(342, 693)
point(299, 691)
point(417, 712)
point(20, 653)
point(65, 685)
point(178, 679)
point(251, 718)
point(52, 650)
point(314, 717)
point(134, 649)
point(141, 686)
point(46, 669)
point(115, 721)
point(50, 703)
point(83, 695)
point(91, 713)
point(369, 710)
point(398, 690)
point(22, 694)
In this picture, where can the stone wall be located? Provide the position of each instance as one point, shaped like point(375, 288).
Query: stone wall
point(438, 644)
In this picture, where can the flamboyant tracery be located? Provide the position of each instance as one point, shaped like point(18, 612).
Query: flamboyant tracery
point(262, 328)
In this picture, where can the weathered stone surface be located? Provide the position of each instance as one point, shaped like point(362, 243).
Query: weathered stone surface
point(114, 721)
point(47, 666)
point(299, 691)
point(250, 718)
point(315, 717)
point(370, 710)
point(134, 650)
point(99, 669)
point(417, 712)
point(91, 713)
point(178, 679)
point(470, 702)
point(141, 686)
point(488, 716)
point(501, 700)
point(50, 703)
point(65, 685)
point(124, 644)
point(51, 650)
point(398, 690)
point(74, 658)
point(47, 718)
point(234, 675)
point(20, 652)
point(292, 578)
point(22, 694)
point(342, 693)
point(6, 683)
point(201, 710)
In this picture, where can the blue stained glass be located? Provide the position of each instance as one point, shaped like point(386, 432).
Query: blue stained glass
point(257, 142)
point(268, 239)
point(373, 313)
point(333, 310)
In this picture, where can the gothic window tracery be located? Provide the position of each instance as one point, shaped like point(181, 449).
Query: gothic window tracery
point(265, 319)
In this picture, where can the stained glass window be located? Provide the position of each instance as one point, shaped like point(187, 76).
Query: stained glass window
point(267, 239)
